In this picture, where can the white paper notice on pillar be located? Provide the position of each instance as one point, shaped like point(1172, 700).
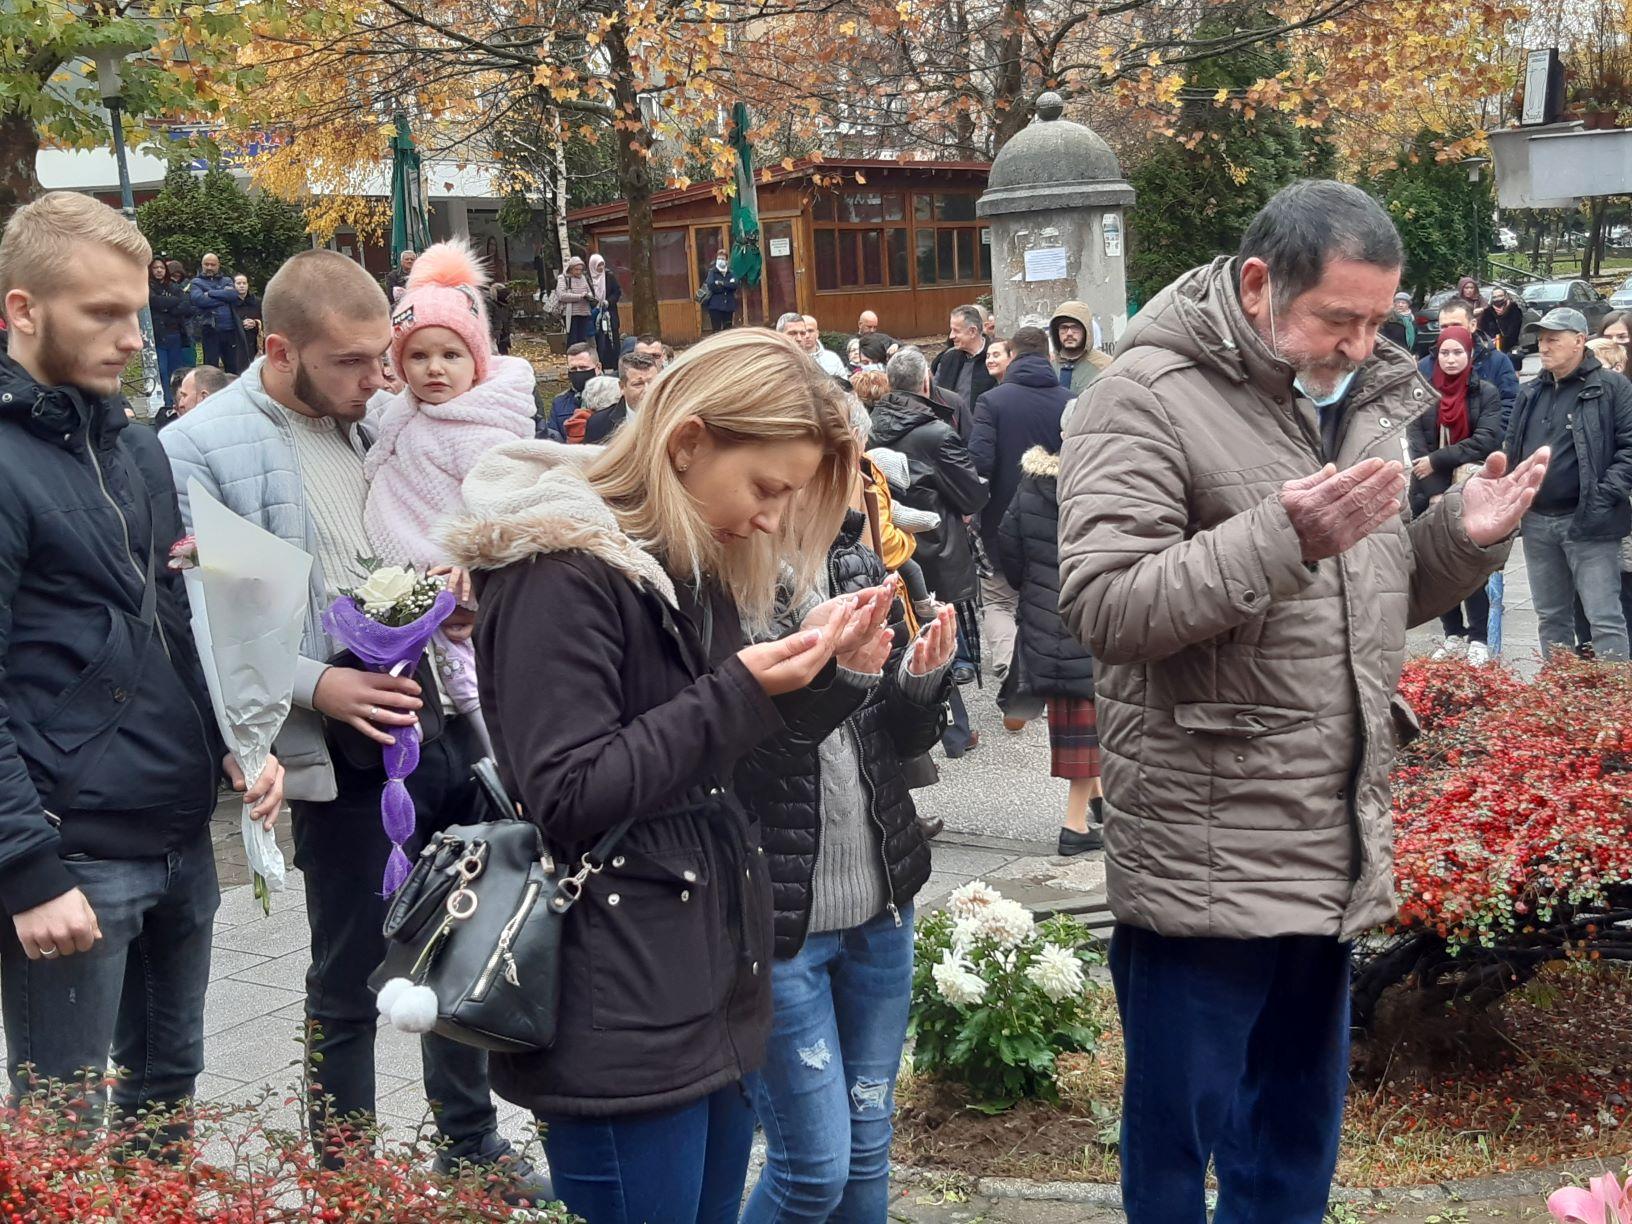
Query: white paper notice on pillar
point(1045, 264)
point(1112, 229)
point(781, 247)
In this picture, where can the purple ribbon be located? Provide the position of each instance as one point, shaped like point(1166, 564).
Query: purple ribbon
point(391, 648)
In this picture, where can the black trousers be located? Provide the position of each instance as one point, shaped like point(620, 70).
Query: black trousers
point(341, 847)
point(719, 320)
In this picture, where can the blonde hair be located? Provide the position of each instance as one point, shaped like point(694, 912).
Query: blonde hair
point(38, 246)
point(748, 386)
point(1612, 353)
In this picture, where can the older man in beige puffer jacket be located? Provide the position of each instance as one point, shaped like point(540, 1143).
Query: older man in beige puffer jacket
point(1247, 608)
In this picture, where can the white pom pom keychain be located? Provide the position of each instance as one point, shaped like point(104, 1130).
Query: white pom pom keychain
point(409, 1008)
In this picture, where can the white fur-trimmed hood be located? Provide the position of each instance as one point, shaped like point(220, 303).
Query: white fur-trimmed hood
point(529, 497)
point(1040, 461)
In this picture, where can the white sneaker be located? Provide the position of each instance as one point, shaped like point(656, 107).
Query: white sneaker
point(1478, 654)
point(1453, 648)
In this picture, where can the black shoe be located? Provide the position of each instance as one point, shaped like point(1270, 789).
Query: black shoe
point(963, 673)
point(931, 827)
point(511, 1175)
point(1073, 843)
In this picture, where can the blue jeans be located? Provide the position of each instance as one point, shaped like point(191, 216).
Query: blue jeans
point(139, 991)
point(175, 354)
point(1562, 569)
point(826, 1095)
point(1238, 1051)
point(672, 1166)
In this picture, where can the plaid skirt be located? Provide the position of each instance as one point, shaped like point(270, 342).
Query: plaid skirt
point(1073, 737)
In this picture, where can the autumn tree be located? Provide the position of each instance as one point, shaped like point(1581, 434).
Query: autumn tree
point(253, 233)
point(48, 91)
point(1199, 190)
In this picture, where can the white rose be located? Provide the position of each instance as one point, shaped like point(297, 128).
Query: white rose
point(385, 587)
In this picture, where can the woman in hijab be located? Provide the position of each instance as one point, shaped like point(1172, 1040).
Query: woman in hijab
point(572, 291)
point(604, 295)
point(1446, 448)
point(1468, 290)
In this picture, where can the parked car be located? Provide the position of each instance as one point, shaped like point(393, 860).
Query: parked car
point(1428, 317)
point(1576, 294)
point(1621, 298)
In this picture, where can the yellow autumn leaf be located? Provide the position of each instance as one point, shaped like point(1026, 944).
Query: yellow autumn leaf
point(847, 28)
point(1222, 95)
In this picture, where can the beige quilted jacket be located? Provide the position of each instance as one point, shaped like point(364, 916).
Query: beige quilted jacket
point(1244, 698)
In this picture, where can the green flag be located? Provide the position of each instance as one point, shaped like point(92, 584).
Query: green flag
point(746, 260)
point(410, 225)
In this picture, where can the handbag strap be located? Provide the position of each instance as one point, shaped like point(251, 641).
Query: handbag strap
point(67, 787)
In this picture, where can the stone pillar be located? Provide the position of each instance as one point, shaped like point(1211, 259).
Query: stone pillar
point(1054, 200)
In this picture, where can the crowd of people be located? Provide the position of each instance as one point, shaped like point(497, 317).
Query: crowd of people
point(210, 319)
point(716, 611)
point(1577, 550)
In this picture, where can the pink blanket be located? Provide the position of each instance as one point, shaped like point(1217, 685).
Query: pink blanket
point(424, 451)
point(418, 461)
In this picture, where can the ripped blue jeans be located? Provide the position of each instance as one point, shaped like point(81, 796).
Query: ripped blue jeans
point(827, 1092)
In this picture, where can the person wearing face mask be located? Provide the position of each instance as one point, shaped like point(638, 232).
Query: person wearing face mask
point(721, 284)
point(1447, 445)
point(1231, 493)
point(1502, 322)
point(583, 364)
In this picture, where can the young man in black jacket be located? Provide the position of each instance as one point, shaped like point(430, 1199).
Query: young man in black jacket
point(1573, 531)
point(109, 757)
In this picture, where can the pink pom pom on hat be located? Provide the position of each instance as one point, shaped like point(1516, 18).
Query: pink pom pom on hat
point(445, 290)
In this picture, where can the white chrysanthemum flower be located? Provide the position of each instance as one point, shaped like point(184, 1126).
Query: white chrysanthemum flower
point(965, 930)
point(958, 986)
point(1007, 922)
point(972, 899)
point(1057, 972)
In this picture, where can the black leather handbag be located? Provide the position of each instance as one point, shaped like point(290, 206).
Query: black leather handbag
point(475, 932)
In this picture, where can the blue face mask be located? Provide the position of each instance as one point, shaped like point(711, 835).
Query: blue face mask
point(1337, 392)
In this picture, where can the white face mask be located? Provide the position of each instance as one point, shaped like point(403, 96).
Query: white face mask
point(721, 264)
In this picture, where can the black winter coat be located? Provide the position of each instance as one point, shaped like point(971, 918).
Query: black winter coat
point(1019, 413)
point(1485, 422)
point(943, 479)
point(666, 960)
point(1603, 444)
point(949, 369)
point(781, 781)
point(170, 307)
point(1053, 662)
point(84, 495)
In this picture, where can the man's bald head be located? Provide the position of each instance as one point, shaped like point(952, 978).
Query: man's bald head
point(313, 289)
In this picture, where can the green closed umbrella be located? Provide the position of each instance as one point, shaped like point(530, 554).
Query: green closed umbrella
point(746, 260)
point(410, 225)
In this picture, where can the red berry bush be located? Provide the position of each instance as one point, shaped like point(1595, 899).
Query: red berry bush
point(235, 1167)
point(1512, 828)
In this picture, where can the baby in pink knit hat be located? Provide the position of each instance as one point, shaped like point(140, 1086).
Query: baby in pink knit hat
point(458, 401)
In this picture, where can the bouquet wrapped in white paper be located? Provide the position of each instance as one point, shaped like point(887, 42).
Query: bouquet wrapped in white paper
point(248, 592)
